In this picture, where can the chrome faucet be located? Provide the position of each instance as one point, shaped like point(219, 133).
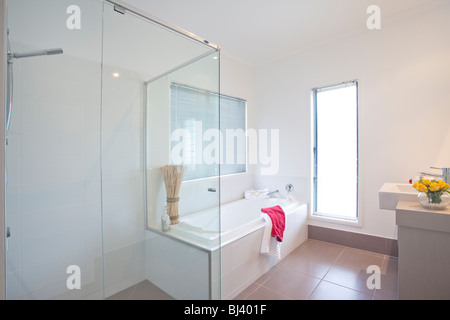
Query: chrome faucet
point(289, 187)
point(444, 176)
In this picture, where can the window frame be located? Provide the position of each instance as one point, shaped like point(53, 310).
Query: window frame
point(222, 157)
point(313, 214)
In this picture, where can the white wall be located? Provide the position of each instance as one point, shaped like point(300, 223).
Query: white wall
point(404, 76)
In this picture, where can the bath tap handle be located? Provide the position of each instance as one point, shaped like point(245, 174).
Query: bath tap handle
point(211, 189)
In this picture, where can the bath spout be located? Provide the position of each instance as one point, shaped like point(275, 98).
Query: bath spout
point(272, 192)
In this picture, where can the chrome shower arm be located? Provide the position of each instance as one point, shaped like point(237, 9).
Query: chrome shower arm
point(47, 52)
point(10, 81)
point(9, 90)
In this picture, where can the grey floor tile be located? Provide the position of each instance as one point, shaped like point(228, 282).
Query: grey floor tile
point(315, 270)
point(264, 293)
point(144, 290)
point(331, 291)
point(319, 270)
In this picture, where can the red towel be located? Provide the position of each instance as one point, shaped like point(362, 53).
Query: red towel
point(276, 214)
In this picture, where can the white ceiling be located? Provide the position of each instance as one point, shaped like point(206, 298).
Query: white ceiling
point(257, 31)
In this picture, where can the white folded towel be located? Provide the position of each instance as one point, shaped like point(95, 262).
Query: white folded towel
point(256, 194)
point(269, 245)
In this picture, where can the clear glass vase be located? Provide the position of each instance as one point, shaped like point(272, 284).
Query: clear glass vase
point(434, 201)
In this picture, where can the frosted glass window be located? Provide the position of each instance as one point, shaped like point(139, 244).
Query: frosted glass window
point(336, 151)
point(216, 141)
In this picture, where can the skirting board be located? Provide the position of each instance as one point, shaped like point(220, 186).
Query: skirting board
point(354, 240)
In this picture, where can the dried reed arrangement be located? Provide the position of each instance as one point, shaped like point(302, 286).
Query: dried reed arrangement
point(172, 175)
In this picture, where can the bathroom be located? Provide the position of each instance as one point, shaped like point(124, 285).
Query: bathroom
point(83, 128)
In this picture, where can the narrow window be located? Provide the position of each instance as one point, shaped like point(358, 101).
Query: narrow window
point(335, 180)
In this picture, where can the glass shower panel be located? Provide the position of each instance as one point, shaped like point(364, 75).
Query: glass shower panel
point(135, 49)
point(82, 143)
point(182, 128)
point(53, 199)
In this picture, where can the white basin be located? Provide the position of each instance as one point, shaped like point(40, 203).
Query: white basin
point(391, 193)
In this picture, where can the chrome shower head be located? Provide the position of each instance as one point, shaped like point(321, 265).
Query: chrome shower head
point(54, 51)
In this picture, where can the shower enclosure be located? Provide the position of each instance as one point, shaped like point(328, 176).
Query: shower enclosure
point(88, 125)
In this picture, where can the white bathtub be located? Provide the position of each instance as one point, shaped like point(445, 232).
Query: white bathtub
point(236, 220)
point(231, 241)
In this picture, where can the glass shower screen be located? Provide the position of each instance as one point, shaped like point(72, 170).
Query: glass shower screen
point(53, 151)
point(83, 148)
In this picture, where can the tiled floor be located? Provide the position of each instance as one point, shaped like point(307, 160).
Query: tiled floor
point(144, 290)
point(323, 271)
point(314, 271)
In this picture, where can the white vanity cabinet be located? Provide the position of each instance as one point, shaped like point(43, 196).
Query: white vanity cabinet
point(424, 252)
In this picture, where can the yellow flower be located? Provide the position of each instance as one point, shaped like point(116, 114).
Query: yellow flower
point(434, 186)
point(420, 187)
point(443, 185)
point(426, 182)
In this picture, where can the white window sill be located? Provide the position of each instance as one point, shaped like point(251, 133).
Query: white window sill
point(352, 223)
